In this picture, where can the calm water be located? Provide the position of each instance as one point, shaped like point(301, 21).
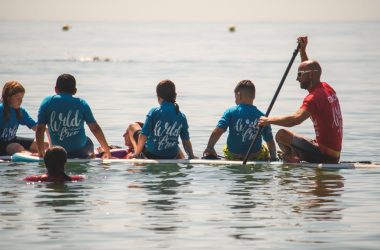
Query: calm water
point(194, 207)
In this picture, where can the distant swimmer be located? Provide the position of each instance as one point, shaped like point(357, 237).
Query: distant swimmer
point(99, 59)
point(231, 28)
point(66, 27)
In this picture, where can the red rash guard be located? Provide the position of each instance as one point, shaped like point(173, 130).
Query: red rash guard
point(323, 105)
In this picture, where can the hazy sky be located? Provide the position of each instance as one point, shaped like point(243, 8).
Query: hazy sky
point(189, 10)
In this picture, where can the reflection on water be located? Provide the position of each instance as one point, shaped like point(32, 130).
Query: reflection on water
point(321, 191)
point(58, 196)
point(234, 205)
point(247, 181)
point(164, 185)
point(265, 196)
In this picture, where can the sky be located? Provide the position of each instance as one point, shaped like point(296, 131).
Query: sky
point(190, 10)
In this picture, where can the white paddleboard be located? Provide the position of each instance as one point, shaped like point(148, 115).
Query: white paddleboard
point(22, 157)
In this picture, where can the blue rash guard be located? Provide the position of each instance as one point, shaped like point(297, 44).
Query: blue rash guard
point(242, 123)
point(162, 128)
point(8, 129)
point(65, 116)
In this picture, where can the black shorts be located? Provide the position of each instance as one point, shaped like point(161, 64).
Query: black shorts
point(309, 151)
point(148, 155)
point(25, 142)
point(84, 153)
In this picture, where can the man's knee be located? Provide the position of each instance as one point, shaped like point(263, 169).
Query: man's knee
point(284, 137)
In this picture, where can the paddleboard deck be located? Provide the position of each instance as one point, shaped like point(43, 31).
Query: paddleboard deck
point(21, 157)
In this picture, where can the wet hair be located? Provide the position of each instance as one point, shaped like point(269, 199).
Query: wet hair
point(11, 88)
point(166, 90)
point(55, 159)
point(247, 88)
point(66, 83)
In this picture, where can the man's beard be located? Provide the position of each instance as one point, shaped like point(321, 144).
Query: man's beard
point(304, 85)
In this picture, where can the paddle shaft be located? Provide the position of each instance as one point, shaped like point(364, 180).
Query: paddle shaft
point(272, 102)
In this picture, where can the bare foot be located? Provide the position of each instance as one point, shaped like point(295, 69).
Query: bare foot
point(290, 158)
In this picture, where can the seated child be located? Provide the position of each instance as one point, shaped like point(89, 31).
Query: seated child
point(163, 126)
point(242, 123)
point(131, 137)
point(65, 115)
point(12, 114)
point(55, 159)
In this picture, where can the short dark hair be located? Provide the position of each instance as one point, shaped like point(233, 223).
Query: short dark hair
point(66, 83)
point(247, 88)
point(55, 159)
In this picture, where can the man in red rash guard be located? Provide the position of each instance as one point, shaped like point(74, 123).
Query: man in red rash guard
point(322, 106)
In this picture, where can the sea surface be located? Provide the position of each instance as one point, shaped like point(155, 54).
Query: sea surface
point(119, 206)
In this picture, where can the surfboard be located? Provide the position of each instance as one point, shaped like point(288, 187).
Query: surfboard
point(25, 157)
point(22, 157)
point(5, 158)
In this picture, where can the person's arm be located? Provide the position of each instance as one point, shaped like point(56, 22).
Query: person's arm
point(140, 146)
point(40, 132)
point(214, 137)
point(98, 133)
point(34, 128)
point(48, 137)
point(302, 40)
point(188, 148)
point(286, 121)
point(272, 150)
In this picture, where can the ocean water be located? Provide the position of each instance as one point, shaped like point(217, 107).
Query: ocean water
point(117, 66)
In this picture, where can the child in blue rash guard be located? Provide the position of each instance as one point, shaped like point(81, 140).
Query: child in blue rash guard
point(241, 121)
point(65, 116)
point(163, 126)
point(11, 116)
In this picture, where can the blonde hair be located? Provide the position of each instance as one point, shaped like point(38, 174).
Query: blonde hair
point(11, 88)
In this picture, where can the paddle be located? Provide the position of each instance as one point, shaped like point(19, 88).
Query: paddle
point(272, 102)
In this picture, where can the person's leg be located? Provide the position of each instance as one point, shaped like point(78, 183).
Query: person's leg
point(14, 147)
point(19, 144)
point(284, 139)
point(180, 154)
point(308, 150)
point(33, 147)
point(132, 134)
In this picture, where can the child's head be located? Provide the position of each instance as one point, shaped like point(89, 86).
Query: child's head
point(66, 83)
point(55, 160)
point(13, 93)
point(245, 92)
point(166, 91)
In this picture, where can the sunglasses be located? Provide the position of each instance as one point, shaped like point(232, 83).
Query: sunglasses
point(301, 72)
